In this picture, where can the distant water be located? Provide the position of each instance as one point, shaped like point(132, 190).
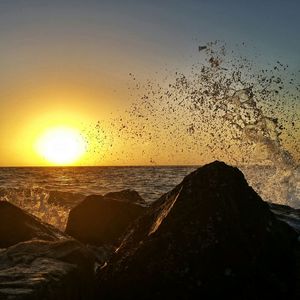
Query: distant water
point(150, 182)
point(33, 188)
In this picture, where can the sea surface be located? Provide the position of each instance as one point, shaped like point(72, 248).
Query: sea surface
point(150, 182)
point(50, 192)
point(34, 189)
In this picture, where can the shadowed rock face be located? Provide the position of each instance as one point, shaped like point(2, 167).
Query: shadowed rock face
point(17, 226)
point(287, 214)
point(211, 236)
point(102, 220)
point(39, 261)
point(47, 270)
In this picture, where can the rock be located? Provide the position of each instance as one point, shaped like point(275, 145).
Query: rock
point(212, 236)
point(127, 196)
point(102, 253)
point(47, 270)
point(66, 199)
point(17, 226)
point(287, 214)
point(40, 262)
point(101, 220)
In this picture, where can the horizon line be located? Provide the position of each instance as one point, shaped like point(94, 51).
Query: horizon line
point(98, 166)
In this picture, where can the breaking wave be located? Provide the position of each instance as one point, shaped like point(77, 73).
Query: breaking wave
point(224, 107)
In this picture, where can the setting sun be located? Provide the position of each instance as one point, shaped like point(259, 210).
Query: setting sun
point(61, 145)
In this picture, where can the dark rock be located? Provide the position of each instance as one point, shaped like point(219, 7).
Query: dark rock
point(17, 226)
point(101, 220)
point(287, 214)
point(127, 196)
point(40, 261)
point(211, 236)
point(102, 253)
point(47, 270)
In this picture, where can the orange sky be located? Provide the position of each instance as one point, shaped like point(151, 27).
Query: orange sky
point(67, 63)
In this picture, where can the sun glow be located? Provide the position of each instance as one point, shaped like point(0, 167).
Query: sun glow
point(61, 145)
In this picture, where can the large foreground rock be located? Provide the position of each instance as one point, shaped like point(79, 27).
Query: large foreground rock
point(100, 220)
point(211, 236)
point(46, 270)
point(17, 226)
point(40, 262)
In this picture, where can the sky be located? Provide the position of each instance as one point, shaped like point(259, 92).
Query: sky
point(68, 62)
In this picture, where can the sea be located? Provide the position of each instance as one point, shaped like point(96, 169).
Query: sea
point(50, 192)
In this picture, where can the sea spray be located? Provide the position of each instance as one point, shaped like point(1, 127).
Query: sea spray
point(50, 192)
point(224, 107)
point(35, 201)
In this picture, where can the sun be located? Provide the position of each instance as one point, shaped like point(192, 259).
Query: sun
point(61, 145)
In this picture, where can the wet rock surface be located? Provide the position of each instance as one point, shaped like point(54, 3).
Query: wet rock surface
point(290, 216)
point(100, 220)
point(47, 270)
point(287, 214)
point(37, 261)
point(211, 236)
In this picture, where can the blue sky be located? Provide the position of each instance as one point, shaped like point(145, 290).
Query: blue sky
point(155, 30)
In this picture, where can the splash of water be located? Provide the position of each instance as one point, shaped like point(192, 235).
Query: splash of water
point(225, 107)
point(35, 201)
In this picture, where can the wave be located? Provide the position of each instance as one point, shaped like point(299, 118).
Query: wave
point(224, 107)
point(50, 206)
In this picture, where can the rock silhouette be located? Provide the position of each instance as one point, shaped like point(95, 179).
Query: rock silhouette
point(47, 270)
point(211, 236)
point(287, 214)
point(100, 220)
point(17, 226)
point(40, 262)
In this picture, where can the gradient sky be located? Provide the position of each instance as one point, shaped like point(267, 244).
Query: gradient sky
point(69, 60)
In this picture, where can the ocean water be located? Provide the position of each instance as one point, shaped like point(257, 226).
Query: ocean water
point(49, 193)
point(150, 182)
